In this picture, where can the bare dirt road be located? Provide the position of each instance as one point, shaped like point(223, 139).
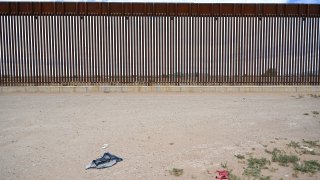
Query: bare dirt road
point(54, 136)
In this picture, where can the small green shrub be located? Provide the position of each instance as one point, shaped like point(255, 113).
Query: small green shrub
point(271, 72)
point(176, 172)
point(311, 143)
point(282, 158)
point(293, 144)
point(224, 165)
point(254, 167)
point(307, 166)
point(239, 156)
point(257, 162)
point(315, 112)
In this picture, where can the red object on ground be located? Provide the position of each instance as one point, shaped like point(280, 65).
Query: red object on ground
point(222, 175)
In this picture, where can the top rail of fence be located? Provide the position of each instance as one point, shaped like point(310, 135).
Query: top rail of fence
point(157, 9)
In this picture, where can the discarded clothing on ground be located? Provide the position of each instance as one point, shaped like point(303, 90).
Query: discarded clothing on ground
point(222, 175)
point(107, 160)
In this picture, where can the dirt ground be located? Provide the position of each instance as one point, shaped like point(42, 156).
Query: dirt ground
point(54, 136)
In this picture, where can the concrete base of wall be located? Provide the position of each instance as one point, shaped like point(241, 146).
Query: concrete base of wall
point(144, 89)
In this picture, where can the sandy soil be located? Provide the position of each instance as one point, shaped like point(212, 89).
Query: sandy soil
point(53, 136)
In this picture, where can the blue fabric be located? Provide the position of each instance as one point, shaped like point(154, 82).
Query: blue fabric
point(107, 160)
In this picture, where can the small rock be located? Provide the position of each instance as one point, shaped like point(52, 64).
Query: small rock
point(105, 146)
point(306, 148)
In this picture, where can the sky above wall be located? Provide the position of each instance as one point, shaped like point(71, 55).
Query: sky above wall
point(184, 1)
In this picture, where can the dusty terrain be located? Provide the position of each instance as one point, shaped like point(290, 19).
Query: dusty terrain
point(53, 136)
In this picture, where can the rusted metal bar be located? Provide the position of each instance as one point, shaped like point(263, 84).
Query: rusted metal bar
point(157, 9)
